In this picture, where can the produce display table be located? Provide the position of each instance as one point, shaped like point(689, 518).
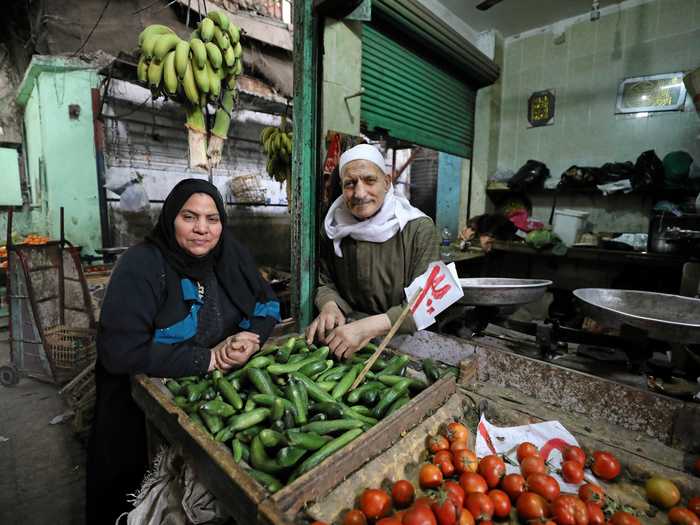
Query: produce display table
point(650, 434)
point(243, 497)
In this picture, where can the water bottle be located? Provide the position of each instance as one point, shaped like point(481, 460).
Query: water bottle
point(445, 250)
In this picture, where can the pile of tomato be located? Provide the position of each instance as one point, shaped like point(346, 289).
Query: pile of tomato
point(457, 488)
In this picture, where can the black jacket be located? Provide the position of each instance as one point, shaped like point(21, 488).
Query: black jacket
point(144, 294)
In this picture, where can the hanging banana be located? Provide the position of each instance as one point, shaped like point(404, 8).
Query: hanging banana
point(276, 142)
point(201, 70)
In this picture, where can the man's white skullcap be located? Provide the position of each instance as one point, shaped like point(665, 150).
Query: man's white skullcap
point(363, 152)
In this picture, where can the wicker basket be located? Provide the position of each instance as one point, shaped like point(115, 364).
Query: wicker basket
point(70, 350)
point(247, 188)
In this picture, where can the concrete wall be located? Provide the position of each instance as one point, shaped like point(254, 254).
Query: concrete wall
point(584, 62)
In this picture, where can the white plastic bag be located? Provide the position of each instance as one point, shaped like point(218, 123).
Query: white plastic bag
point(134, 199)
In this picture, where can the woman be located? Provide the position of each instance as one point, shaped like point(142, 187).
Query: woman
point(186, 301)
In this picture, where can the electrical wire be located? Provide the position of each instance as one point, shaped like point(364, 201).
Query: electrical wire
point(99, 19)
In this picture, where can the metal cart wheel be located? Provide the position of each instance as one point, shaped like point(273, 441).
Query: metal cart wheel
point(8, 376)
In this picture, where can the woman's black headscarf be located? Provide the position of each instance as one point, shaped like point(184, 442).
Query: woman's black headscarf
point(163, 234)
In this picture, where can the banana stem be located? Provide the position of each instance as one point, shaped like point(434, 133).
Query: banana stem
point(197, 137)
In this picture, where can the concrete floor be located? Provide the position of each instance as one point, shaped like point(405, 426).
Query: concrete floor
point(42, 466)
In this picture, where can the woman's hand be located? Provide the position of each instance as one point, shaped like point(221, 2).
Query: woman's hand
point(345, 340)
point(234, 351)
point(329, 318)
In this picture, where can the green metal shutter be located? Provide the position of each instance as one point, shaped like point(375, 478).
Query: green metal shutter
point(413, 99)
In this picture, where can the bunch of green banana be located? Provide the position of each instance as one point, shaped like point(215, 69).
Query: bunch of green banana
point(198, 71)
point(277, 144)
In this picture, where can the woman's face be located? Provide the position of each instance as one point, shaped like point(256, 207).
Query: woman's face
point(198, 225)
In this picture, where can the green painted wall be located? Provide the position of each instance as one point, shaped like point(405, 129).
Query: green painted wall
point(342, 68)
point(60, 152)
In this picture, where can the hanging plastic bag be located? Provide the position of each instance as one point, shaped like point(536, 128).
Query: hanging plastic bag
point(134, 199)
point(649, 171)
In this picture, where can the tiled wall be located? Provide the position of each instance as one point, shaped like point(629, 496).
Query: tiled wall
point(662, 36)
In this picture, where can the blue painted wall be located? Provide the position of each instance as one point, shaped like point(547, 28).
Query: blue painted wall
point(449, 189)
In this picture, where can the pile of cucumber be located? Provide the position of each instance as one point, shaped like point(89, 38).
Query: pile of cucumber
point(289, 408)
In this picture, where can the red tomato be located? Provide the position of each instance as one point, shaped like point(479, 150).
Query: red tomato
point(441, 456)
point(694, 505)
point(569, 510)
point(532, 465)
point(480, 506)
point(473, 482)
point(492, 468)
point(438, 443)
point(525, 450)
point(447, 469)
point(623, 518)
point(592, 493)
point(424, 501)
point(402, 493)
point(355, 517)
point(419, 515)
point(466, 518)
point(682, 516)
point(572, 472)
point(595, 514)
point(430, 476)
point(501, 503)
point(513, 485)
point(458, 445)
point(544, 485)
point(375, 503)
point(393, 520)
point(605, 465)
point(454, 491)
point(457, 432)
point(531, 506)
point(446, 511)
point(465, 461)
point(574, 454)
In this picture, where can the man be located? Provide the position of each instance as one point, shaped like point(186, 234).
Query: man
point(374, 245)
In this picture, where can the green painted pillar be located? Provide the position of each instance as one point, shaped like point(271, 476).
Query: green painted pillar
point(60, 143)
point(304, 161)
point(448, 197)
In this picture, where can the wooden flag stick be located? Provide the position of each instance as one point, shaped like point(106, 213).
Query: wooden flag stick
point(386, 340)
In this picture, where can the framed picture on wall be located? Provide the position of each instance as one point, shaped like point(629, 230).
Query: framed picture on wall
point(665, 92)
point(540, 108)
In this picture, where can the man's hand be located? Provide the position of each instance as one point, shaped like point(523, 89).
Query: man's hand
point(345, 340)
point(329, 318)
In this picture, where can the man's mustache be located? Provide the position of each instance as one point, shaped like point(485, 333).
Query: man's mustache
point(359, 202)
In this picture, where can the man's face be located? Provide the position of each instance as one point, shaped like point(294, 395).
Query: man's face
point(364, 188)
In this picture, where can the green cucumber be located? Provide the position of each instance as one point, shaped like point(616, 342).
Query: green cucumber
point(318, 355)
point(218, 408)
point(271, 438)
point(295, 395)
point(325, 451)
point(249, 419)
point(259, 458)
point(261, 381)
point(346, 382)
point(396, 365)
point(312, 388)
point(330, 409)
point(307, 440)
point(391, 380)
point(237, 449)
point(430, 369)
point(229, 393)
point(174, 387)
point(250, 405)
point(334, 425)
point(213, 423)
point(314, 369)
point(326, 386)
point(289, 456)
point(397, 404)
point(270, 483)
point(395, 392)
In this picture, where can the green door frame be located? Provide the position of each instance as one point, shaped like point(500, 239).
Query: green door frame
point(304, 161)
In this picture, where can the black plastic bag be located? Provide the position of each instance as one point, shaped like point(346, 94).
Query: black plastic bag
point(650, 171)
point(615, 171)
point(532, 174)
point(581, 177)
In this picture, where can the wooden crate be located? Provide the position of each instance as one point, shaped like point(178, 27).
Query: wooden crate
point(497, 386)
point(242, 496)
